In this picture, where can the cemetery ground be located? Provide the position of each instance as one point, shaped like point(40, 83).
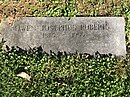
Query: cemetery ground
point(62, 75)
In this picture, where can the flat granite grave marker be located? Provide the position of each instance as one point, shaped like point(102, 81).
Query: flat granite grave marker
point(78, 34)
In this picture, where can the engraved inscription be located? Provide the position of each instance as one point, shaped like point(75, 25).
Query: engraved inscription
point(21, 28)
point(49, 35)
point(96, 26)
point(66, 30)
point(78, 34)
point(50, 27)
point(58, 28)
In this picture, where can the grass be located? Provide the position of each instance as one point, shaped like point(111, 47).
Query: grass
point(76, 75)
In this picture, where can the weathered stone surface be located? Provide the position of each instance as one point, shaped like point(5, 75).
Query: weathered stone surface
point(81, 34)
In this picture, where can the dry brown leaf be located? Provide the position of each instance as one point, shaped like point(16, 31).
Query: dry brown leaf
point(24, 75)
point(10, 20)
point(128, 35)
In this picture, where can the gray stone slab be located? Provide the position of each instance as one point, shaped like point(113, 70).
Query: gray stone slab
point(81, 34)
